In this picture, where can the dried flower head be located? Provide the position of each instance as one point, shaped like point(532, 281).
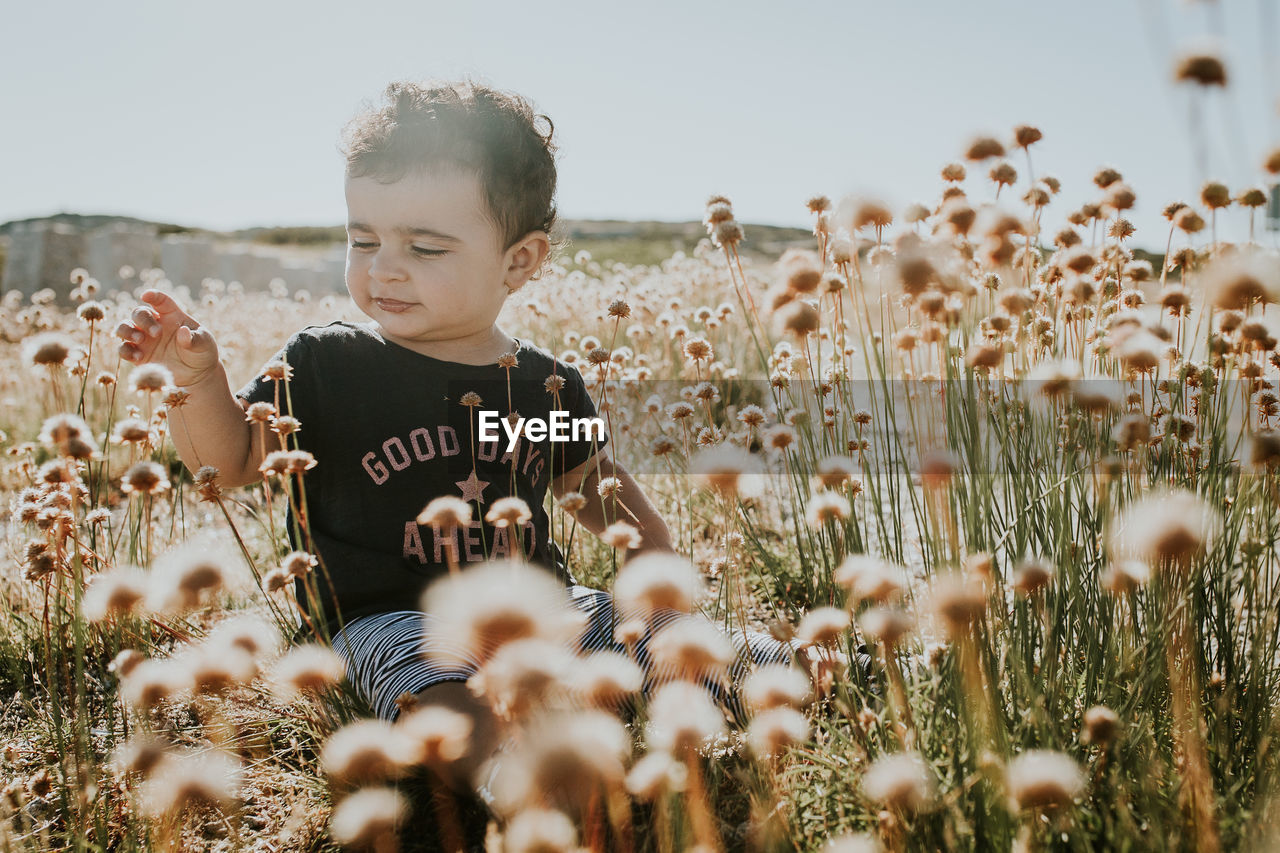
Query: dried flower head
point(509, 512)
point(446, 514)
point(48, 349)
point(901, 782)
point(1031, 576)
point(125, 662)
point(1043, 779)
point(605, 680)
point(728, 470)
point(277, 371)
point(260, 413)
point(1024, 135)
point(621, 535)
point(697, 349)
point(187, 778)
point(1265, 450)
point(1125, 576)
point(442, 735)
point(571, 502)
point(655, 581)
point(567, 759)
point(693, 649)
point(959, 600)
point(827, 507)
point(886, 624)
point(145, 478)
point(1165, 527)
point(655, 774)
point(776, 686)
point(150, 682)
point(69, 435)
point(132, 431)
point(1243, 279)
point(1215, 194)
point(114, 593)
point(823, 626)
point(369, 818)
point(774, 731)
point(682, 717)
point(139, 755)
point(1186, 219)
point(247, 633)
point(984, 148)
point(307, 668)
point(216, 667)
point(1101, 726)
point(150, 378)
point(367, 751)
point(523, 676)
point(298, 564)
point(798, 318)
point(1202, 67)
point(185, 578)
point(869, 578)
point(539, 830)
point(91, 312)
point(490, 604)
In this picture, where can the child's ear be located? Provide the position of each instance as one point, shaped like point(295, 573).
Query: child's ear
point(525, 259)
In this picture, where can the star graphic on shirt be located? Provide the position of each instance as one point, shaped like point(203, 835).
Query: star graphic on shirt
point(472, 487)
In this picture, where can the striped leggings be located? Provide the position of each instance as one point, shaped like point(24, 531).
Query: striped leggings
point(386, 654)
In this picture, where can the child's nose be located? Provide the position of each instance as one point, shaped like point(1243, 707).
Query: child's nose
point(385, 266)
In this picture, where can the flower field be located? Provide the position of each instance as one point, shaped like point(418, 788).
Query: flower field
point(1032, 481)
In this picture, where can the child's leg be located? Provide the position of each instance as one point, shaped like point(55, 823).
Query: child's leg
point(752, 647)
point(384, 656)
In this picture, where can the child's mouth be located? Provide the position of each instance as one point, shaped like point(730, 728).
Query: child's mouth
point(392, 305)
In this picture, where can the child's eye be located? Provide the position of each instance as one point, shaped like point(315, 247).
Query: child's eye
point(356, 244)
point(429, 253)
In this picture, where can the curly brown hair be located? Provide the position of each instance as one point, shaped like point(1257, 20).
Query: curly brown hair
point(496, 135)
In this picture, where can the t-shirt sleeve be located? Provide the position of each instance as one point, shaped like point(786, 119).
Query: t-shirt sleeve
point(296, 396)
point(576, 401)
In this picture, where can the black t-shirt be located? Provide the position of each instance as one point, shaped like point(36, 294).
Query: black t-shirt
point(389, 432)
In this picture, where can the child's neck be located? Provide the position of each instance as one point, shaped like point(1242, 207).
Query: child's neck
point(479, 349)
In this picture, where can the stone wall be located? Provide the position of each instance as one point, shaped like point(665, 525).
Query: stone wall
point(42, 254)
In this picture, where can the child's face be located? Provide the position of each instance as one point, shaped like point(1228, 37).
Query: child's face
point(423, 259)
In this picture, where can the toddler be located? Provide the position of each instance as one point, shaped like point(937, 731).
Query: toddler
point(449, 191)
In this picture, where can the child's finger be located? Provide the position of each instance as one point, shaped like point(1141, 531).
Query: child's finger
point(198, 342)
point(129, 332)
point(130, 352)
point(163, 303)
point(145, 319)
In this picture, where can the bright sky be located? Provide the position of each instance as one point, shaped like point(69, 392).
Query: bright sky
point(227, 114)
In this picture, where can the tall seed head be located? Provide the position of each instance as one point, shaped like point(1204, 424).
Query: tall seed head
point(901, 782)
point(657, 581)
point(491, 604)
point(1043, 779)
point(369, 818)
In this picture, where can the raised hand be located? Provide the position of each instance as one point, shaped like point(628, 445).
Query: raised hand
point(160, 331)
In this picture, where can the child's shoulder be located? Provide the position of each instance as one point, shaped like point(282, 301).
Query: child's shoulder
point(336, 333)
point(542, 360)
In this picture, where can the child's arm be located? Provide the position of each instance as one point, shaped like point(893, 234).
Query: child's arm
point(210, 428)
point(631, 501)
